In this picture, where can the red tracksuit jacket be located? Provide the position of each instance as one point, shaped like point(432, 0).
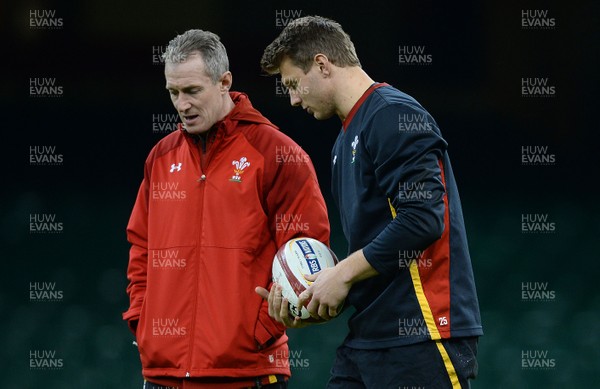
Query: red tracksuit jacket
point(203, 232)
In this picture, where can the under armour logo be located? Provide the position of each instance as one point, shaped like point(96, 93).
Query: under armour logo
point(175, 167)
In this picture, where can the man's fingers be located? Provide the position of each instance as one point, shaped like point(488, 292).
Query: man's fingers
point(304, 298)
point(313, 309)
point(333, 312)
point(283, 310)
point(285, 313)
point(323, 312)
point(270, 300)
point(262, 292)
point(289, 320)
point(275, 302)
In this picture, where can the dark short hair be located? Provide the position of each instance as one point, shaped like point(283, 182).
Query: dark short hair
point(305, 37)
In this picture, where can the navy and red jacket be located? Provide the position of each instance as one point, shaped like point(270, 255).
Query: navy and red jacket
point(393, 184)
point(205, 227)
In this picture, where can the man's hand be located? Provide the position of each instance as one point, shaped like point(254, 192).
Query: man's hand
point(326, 295)
point(279, 307)
point(330, 287)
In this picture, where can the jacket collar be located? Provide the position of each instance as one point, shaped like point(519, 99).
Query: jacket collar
point(242, 112)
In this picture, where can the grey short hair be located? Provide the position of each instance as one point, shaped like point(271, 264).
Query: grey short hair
point(207, 44)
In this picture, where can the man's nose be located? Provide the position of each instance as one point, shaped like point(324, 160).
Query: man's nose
point(182, 103)
point(295, 99)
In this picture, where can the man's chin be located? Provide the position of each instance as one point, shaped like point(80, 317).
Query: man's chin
point(322, 116)
point(195, 130)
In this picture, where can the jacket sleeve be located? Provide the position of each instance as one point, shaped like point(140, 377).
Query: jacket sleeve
point(407, 167)
point(295, 207)
point(295, 204)
point(137, 235)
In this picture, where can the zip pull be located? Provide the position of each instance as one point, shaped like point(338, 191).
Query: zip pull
point(202, 178)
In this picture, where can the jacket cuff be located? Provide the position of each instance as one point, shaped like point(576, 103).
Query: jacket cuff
point(266, 335)
point(132, 324)
point(382, 267)
point(132, 320)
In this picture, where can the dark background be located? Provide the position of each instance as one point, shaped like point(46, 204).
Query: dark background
point(102, 124)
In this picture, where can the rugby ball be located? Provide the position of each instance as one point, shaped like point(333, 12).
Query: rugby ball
point(294, 259)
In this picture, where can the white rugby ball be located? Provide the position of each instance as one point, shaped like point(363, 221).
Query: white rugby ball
point(294, 259)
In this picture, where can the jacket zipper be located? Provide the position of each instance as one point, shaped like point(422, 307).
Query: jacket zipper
point(204, 160)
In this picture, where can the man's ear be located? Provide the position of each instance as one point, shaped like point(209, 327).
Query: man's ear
point(323, 64)
point(226, 81)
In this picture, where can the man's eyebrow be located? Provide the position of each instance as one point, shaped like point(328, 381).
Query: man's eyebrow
point(289, 81)
point(184, 89)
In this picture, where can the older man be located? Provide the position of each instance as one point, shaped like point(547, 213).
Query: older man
point(205, 228)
